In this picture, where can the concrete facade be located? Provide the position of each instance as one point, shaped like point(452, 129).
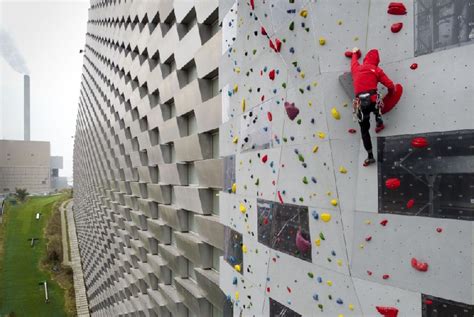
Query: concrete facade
point(146, 159)
point(304, 173)
point(24, 164)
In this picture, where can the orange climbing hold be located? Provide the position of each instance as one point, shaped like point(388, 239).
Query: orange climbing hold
point(397, 8)
point(396, 27)
point(387, 311)
point(392, 183)
point(418, 265)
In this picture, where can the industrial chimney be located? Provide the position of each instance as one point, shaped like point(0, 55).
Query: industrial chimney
point(26, 107)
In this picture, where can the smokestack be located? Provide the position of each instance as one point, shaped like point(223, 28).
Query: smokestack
point(26, 105)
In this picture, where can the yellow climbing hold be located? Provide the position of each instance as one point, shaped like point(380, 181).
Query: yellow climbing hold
point(317, 242)
point(243, 209)
point(340, 315)
point(234, 188)
point(329, 283)
point(237, 70)
point(361, 246)
point(243, 105)
point(302, 74)
point(339, 262)
point(315, 148)
point(325, 217)
point(244, 248)
point(236, 88)
point(237, 267)
point(334, 202)
point(235, 140)
point(322, 41)
point(339, 22)
point(368, 222)
point(335, 114)
point(304, 13)
point(342, 170)
point(351, 307)
point(356, 39)
point(310, 103)
point(321, 135)
point(237, 295)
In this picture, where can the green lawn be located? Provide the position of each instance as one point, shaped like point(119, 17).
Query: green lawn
point(19, 265)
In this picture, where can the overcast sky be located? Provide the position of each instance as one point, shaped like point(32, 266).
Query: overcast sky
point(49, 34)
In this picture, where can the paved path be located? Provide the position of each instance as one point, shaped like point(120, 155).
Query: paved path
point(66, 260)
point(82, 305)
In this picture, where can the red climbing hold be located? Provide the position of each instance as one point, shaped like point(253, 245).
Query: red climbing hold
point(269, 116)
point(291, 110)
point(263, 31)
point(384, 222)
point(396, 27)
point(397, 8)
point(428, 301)
point(271, 74)
point(265, 221)
point(369, 273)
point(352, 131)
point(419, 266)
point(280, 198)
point(268, 289)
point(302, 244)
point(368, 238)
point(439, 230)
point(414, 66)
point(264, 158)
point(419, 142)
point(272, 46)
point(391, 99)
point(392, 183)
point(277, 45)
point(385, 276)
point(410, 203)
point(288, 289)
point(252, 4)
point(387, 311)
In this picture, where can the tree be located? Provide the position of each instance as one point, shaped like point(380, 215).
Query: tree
point(21, 193)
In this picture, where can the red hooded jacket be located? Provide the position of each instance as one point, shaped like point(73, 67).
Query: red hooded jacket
point(367, 75)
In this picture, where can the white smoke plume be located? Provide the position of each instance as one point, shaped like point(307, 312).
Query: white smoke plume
point(11, 54)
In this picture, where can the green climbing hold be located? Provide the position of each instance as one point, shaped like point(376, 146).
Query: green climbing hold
point(295, 63)
point(305, 180)
point(292, 26)
point(298, 121)
point(330, 297)
point(320, 306)
point(301, 158)
point(283, 85)
point(285, 139)
point(301, 199)
point(321, 235)
point(254, 51)
point(257, 182)
point(310, 274)
point(301, 90)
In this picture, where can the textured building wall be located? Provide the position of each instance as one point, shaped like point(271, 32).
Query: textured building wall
point(305, 173)
point(146, 165)
point(24, 164)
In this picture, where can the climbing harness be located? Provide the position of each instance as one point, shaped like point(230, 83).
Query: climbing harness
point(362, 101)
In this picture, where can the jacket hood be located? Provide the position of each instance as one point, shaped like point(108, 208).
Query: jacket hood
point(372, 57)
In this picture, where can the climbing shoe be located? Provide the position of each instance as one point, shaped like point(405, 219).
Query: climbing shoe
point(368, 161)
point(379, 127)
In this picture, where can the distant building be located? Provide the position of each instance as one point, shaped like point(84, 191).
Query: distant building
point(57, 182)
point(28, 164)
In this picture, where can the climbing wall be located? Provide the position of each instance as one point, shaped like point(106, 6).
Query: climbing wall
point(309, 230)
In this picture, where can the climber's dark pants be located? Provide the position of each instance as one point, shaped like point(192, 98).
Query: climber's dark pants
point(364, 116)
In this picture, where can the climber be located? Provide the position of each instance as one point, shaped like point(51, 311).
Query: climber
point(365, 78)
